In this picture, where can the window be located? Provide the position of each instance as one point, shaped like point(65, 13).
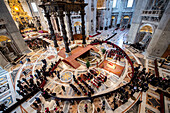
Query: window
point(114, 3)
point(34, 7)
point(130, 3)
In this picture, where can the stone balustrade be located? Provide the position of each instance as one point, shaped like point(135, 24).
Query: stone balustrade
point(152, 13)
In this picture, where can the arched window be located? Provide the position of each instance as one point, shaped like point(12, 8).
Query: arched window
point(130, 3)
point(114, 3)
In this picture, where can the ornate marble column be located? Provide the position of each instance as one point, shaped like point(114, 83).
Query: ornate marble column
point(61, 16)
point(82, 12)
point(47, 15)
point(70, 25)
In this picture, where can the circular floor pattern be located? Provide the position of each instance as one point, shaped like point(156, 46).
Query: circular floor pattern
point(66, 76)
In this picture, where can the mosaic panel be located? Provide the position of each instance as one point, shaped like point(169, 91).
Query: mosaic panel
point(3, 78)
point(7, 101)
point(4, 82)
point(152, 101)
point(5, 94)
point(4, 88)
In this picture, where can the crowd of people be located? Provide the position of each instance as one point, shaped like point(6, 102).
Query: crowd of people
point(139, 83)
point(37, 43)
point(138, 46)
point(118, 55)
point(31, 83)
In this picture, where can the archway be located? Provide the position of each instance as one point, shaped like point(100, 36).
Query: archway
point(113, 22)
point(147, 28)
point(7, 48)
point(125, 20)
point(144, 35)
point(144, 31)
point(77, 27)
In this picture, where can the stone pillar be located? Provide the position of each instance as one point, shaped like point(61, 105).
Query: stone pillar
point(121, 20)
point(88, 17)
point(42, 17)
point(26, 7)
point(110, 4)
point(121, 6)
point(82, 12)
point(94, 16)
point(160, 40)
point(129, 19)
point(47, 15)
point(136, 20)
point(3, 60)
point(12, 29)
point(70, 26)
point(14, 48)
point(61, 16)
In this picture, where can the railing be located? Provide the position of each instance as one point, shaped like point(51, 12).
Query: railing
point(73, 98)
point(152, 13)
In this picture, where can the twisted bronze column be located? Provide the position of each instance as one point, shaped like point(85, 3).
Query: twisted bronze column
point(82, 12)
point(47, 15)
point(70, 25)
point(61, 16)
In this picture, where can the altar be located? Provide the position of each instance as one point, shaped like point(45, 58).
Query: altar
point(112, 67)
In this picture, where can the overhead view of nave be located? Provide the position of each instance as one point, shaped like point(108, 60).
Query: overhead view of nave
point(84, 56)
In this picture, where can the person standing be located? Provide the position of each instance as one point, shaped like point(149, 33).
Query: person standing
point(63, 88)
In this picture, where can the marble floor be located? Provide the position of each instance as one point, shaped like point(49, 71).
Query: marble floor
point(150, 99)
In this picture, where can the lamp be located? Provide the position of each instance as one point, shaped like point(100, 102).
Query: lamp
point(16, 8)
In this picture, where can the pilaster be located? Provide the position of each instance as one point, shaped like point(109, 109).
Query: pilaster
point(160, 40)
point(47, 15)
point(136, 20)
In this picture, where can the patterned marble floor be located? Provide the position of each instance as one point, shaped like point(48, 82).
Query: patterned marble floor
point(150, 100)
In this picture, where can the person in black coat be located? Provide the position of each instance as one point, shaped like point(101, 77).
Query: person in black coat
point(25, 91)
point(2, 107)
point(24, 79)
point(38, 72)
point(57, 103)
point(20, 86)
point(38, 99)
point(35, 105)
point(26, 87)
point(38, 83)
point(63, 88)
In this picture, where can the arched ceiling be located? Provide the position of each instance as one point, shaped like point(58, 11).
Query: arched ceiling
point(77, 23)
point(146, 28)
point(3, 38)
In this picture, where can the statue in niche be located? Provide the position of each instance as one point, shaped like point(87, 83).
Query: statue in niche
point(6, 52)
point(4, 48)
